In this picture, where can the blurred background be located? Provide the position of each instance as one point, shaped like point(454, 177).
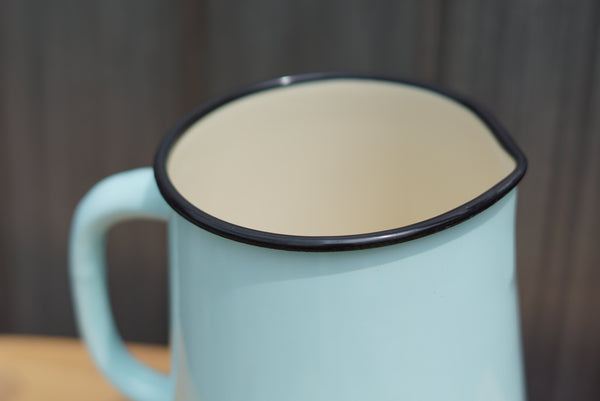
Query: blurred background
point(88, 88)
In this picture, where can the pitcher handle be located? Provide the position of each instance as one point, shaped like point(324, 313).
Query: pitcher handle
point(124, 196)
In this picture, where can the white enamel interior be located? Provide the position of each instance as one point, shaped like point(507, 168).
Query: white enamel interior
point(336, 157)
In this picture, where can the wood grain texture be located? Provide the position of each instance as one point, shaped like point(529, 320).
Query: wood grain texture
point(88, 88)
point(34, 368)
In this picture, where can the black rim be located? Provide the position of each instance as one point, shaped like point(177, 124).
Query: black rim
point(334, 243)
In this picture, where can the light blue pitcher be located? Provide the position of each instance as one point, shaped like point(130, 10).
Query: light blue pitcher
point(331, 238)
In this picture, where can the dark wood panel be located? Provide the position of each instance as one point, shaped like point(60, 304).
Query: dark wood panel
point(261, 40)
point(88, 88)
point(577, 369)
point(21, 104)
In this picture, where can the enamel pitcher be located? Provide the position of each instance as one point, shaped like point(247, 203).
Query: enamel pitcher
point(331, 238)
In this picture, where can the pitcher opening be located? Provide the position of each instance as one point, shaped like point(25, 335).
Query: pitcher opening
point(330, 159)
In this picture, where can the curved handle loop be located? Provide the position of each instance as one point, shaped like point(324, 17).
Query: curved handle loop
point(124, 196)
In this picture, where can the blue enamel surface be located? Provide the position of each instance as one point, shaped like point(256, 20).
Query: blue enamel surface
point(124, 196)
point(434, 318)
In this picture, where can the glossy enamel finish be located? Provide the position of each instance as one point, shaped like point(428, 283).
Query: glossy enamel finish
point(426, 312)
point(121, 197)
point(434, 318)
point(431, 319)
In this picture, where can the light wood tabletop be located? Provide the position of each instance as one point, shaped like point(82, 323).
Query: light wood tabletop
point(60, 369)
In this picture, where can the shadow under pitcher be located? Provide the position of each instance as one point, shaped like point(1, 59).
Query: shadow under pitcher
point(332, 237)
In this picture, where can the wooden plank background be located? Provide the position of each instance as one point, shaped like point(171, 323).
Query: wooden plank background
point(87, 89)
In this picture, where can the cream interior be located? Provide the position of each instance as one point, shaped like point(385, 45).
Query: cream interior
point(336, 157)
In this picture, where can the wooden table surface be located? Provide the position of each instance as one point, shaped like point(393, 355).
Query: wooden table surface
point(60, 369)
